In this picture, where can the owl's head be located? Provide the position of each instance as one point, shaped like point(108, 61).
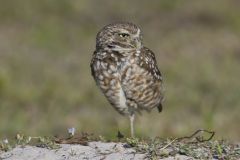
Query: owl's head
point(119, 36)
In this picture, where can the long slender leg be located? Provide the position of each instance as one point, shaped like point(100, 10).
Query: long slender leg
point(131, 124)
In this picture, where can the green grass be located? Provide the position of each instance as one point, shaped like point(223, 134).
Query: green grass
point(162, 148)
point(46, 47)
point(196, 146)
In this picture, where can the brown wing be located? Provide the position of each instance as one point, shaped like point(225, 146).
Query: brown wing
point(153, 68)
point(149, 63)
point(142, 81)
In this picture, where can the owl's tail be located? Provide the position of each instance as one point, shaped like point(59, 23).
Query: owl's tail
point(159, 107)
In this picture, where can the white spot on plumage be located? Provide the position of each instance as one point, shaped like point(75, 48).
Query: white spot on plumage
point(109, 71)
point(132, 60)
point(100, 77)
point(115, 74)
point(128, 72)
point(98, 64)
point(113, 68)
point(104, 65)
point(106, 74)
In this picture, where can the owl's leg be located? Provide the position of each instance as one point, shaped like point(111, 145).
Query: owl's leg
point(131, 124)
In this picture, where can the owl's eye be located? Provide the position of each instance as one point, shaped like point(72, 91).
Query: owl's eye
point(123, 35)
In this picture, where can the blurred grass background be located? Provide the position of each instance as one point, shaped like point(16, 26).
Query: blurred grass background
point(46, 47)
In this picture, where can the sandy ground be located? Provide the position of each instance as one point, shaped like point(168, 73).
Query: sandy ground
point(94, 150)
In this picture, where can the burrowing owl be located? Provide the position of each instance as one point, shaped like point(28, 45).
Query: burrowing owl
point(126, 71)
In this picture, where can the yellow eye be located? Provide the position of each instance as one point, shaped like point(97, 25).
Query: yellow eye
point(123, 35)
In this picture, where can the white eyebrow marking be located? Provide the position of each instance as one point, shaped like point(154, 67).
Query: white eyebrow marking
point(124, 31)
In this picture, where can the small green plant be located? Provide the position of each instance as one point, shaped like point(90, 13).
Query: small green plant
point(4, 145)
point(144, 146)
point(219, 149)
point(23, 140)
point(133, 142)
point(46, 142)
point(102, 138)
point(201, 149)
